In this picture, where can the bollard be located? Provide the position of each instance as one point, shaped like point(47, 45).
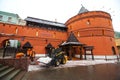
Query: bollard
point(105, 57)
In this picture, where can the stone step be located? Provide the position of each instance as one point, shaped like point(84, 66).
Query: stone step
point(11, 75)
point(3, 68)
point(26, 76)
point(1, 65)
point(6, 71)
point(20, 75)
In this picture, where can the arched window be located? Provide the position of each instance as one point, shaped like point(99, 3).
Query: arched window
point(103, 32)
point(78, 34)
point(36, 33)
point(9, 19)
point(88, 22)
point(1, 17)
point(54, 35)
point(70, 27)
point(16, 30)
point(92, 34)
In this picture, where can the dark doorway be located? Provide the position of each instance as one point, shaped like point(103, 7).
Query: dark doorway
point(26, 47)
point(49, 48)
point(113, 50)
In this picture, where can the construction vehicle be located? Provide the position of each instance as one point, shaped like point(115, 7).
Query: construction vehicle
point(58, 57)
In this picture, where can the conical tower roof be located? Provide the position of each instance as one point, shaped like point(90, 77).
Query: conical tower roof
point(83, 10)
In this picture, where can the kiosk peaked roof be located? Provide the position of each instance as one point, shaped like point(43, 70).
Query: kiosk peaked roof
point(72, 40)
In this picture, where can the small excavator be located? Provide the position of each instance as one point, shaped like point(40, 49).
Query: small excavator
point(57, 58)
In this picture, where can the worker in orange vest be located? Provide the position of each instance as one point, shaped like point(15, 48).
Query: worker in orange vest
point(31, 54)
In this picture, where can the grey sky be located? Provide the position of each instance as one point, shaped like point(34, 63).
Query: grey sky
point(61, 10)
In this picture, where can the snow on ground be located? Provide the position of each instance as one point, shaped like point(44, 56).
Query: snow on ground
point(71, 63)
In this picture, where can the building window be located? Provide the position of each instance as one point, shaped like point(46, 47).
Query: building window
point(36, 33)
point(78, 34)
point(70, 27)
point(54, 35)
point(103, 32)
point(110, 39)
point(1, 17)
point(88, 22)
point(19, 21)
point(9, 19)
point(92, 34)
point(109, 22)
point(16, 30)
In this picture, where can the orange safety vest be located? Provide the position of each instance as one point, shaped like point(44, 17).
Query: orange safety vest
point(19, 55)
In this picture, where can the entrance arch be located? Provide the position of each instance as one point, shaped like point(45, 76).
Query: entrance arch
point(5, 43)
point(9, 47)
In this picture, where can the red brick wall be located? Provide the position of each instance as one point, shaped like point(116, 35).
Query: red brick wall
point(38, 37)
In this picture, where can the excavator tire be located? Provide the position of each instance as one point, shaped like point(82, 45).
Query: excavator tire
point(64, 60)
point(57, 63)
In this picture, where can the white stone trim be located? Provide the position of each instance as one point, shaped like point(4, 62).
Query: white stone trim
point(89, 57)
point(100, 57)
point(40, 55)
point(112, 57)
point(77, 56)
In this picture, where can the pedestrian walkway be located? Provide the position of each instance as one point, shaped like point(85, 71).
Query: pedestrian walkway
point(72, 63)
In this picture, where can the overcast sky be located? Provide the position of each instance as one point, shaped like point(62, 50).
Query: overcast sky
point(61, 10)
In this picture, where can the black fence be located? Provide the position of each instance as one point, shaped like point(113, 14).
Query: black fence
point(8, 52)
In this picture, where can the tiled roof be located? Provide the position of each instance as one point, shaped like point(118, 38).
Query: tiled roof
point(72, 38)
point(27, 45)
point(49, 46)
point(31, 19)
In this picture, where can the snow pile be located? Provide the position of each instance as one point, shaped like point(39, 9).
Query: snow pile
point(44, 60)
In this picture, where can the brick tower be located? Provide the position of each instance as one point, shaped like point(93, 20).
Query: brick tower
point(94, 28)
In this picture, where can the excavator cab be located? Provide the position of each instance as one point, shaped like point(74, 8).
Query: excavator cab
point(58, 57)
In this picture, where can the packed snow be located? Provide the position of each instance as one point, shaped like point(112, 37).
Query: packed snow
point(71, 63)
